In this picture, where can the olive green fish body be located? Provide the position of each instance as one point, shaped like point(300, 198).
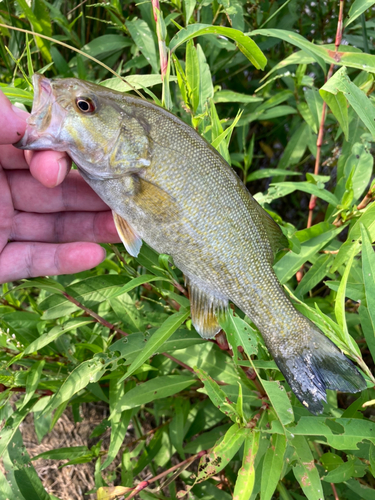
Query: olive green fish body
point(168, 187)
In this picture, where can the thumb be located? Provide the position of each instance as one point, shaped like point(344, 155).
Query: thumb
point(12, 121)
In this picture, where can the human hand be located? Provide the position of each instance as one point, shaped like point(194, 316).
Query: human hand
point(49, 218)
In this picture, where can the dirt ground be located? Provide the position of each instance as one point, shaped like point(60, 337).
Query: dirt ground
point(71, 482)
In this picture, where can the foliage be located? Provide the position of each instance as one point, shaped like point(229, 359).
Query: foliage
point(250, 76)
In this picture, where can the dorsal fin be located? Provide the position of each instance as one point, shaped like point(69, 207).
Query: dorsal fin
point(276, 237)
point(204, 308)
point(132, 242)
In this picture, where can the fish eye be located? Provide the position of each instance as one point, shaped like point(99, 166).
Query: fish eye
point(85, 104)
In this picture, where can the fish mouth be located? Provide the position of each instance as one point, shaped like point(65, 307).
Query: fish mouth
point(46, 119)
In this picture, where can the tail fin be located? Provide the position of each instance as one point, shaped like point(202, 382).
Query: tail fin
point(318, 366)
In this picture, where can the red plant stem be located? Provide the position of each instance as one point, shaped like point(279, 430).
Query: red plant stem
point(94, 315)
point(319, 141)
point(181, 363)
point(334, 491)
point(142, 485)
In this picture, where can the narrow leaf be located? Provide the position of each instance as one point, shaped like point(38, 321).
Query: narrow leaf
point(246, 475)
point(162, 334)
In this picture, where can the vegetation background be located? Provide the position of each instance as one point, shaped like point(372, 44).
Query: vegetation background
point(292, 110)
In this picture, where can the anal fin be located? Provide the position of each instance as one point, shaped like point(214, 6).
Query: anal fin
point(204, 306)
point(132, 242)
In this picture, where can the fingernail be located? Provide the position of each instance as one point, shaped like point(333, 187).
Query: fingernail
point(64, 166)
point(20, 112)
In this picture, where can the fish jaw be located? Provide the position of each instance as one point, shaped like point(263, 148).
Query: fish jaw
point(46, 119)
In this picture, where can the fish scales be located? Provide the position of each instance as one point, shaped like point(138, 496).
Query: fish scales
point(168, 187)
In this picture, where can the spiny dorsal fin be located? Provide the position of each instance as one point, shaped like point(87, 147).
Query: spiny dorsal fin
point(132, 242)
point(275, 235)
point(204, 307)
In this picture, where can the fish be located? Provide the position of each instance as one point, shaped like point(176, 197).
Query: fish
point(168, 187)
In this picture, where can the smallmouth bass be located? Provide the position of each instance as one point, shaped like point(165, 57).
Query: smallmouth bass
point(168, 187)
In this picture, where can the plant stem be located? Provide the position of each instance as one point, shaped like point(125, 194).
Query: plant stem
point(94, 315)
point(142, 485)
point(319, 141)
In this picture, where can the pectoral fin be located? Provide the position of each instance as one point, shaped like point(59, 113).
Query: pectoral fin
point(132, 242)
point(204, 307)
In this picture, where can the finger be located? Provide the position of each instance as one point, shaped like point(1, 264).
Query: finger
point(6, 210)
point(65, 227)
point(12, 158)
point(74, 194)
point(48, 167)
point(12, 121)
point(29, 260)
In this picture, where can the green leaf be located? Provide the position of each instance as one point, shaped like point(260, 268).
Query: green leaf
point(337, 104)
point(298, 58)
point(231, 96)
point(216, 131)
point(16, 94)
point(5, 487)
point(273, 464)
point(12, 423)
point(126, 311)
point(353, 431)
point(310, 188)
point(25, 475)
point(47, 284)
point(367, 328)
point(368, 220)
point(330, 461)
point(157, 388)
point(295, 148)
point(218, 396)
point(105, 45)
point(341, 473)
point(206, 440)
point(55, 333)
point(315, 104)
point(239, 334)
point(33, 378)
point(227, 133)
point(321, 53)
point(176, 427)
point(264, 173)
point(90, 292)
point(192, 71)
point(305, 471)
point(357, 8)
point(288, 265)
point(134, 283)
point(63, 453)
point(243, 42)
point(361, 490)
point(246, 475)
point(41, 23)
point(162, 334)
point(142, 36)
point(84, 374)
point(368, 270)
point(362, 105)
point(206, 88)
point(340, 306)
point(222, 453)
point(119, 421)
point(280, 401)
point(189, 6)
point(135, 82)
point(314, 275)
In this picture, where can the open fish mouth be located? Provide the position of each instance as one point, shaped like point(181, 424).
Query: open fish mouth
point(46, 119)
